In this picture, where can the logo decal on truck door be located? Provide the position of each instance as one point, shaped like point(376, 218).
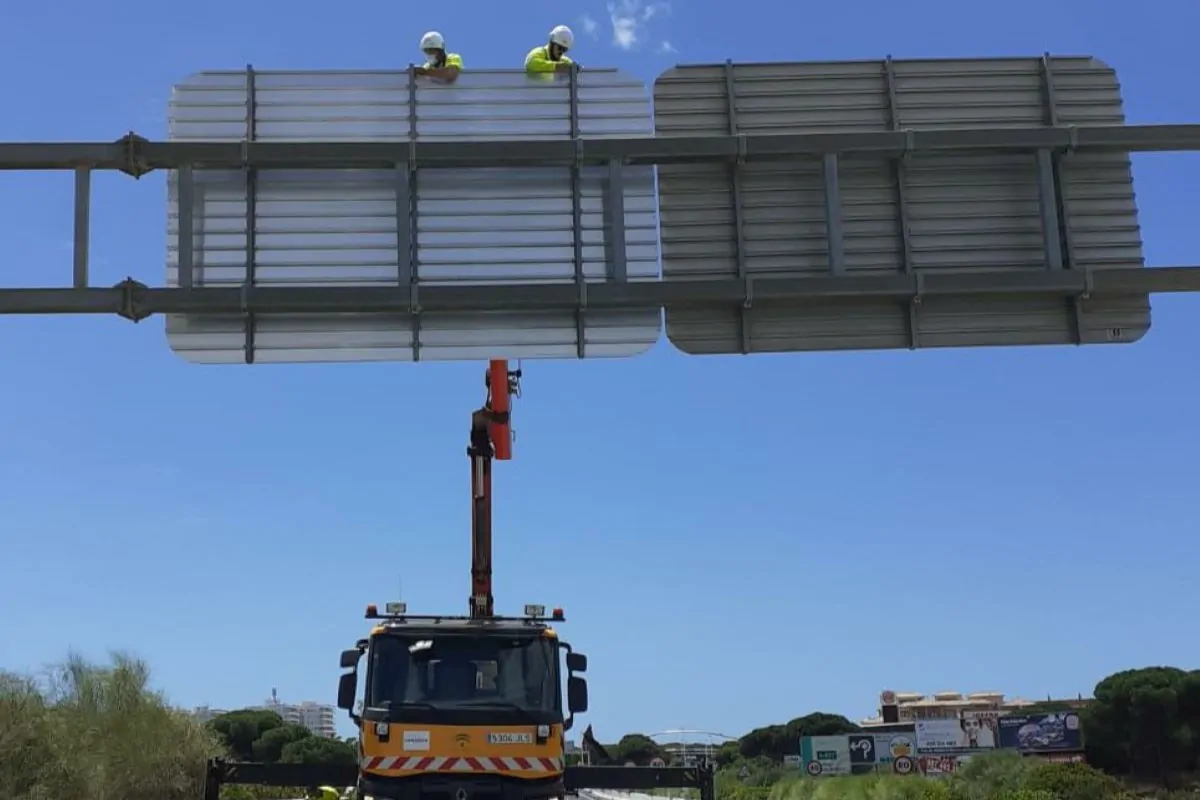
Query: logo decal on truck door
point(416, 740)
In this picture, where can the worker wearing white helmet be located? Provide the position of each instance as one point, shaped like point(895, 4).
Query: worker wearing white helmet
point(552, 56)
point(440, 64)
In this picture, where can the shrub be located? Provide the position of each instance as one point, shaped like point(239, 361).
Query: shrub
point(100, 732)
point(1073, 782)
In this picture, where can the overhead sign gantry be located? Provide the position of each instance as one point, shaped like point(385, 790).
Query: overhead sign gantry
point(349, 216)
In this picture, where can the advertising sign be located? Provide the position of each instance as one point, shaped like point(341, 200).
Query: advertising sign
point(1059, 758)
point(825, 755)
point(948, 764)
point(873, 750)
point(955, 735)
point(1041, 732)
point(859, 753)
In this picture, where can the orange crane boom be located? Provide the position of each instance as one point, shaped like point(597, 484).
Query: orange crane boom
point(491, 438)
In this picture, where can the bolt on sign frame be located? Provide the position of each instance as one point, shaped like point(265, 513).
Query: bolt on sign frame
point(990, 275)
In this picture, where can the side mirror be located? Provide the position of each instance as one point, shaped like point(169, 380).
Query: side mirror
point(577, 695)
point(350, 659)
point(576, 662)
point(348, 687)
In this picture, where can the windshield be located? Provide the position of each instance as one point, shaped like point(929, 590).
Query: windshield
point(463, 671)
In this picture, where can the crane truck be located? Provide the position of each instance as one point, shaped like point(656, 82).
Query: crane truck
point(466, 706)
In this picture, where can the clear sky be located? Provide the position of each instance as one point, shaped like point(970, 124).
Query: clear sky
point(736, 541)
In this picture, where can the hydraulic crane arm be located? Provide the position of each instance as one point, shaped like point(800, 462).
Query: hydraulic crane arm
point(491, 437)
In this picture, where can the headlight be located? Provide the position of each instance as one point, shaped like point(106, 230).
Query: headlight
point(543, 731)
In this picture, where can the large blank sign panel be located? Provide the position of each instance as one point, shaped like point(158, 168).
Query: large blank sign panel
point(929, 213)
point(358, 227)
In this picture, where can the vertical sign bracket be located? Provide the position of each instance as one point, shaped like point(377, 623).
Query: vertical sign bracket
point(185, 189)
point(614, 223)
point(1052, 192)
point(577, 215)
point(900, 177)
point(407, 205)
point(833, 214)
point(739, 221)
point(251, 213)
point(81, 243)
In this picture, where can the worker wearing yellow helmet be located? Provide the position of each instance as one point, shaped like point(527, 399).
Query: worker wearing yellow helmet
point(552, 56)
point(439, 64)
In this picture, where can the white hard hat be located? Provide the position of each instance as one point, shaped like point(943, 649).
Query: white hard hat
point(562, 36)
point(433, 41)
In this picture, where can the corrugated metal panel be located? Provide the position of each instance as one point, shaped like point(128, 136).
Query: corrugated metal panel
point(474, 226)
point(964, 212)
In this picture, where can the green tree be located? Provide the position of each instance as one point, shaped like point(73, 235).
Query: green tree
point(269, 746)
point(1145, 722)
point(239, 730)
point(776, 741)
point(318, 750)
point(727, 754)
point(635, 747)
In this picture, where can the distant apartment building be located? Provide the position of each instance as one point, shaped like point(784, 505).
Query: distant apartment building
point(316, 717)
point(204, 713)
point(908, 707)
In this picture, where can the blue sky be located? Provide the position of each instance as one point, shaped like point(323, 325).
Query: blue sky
point(736, 540)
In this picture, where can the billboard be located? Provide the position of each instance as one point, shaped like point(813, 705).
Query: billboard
point(1041, 732)
point(940, 765)
point(858, 753)
point(956, 735)
point(879, 752)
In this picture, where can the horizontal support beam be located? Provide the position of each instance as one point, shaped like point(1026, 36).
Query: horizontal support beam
point(133, 300)
point(575, 777)
point(581, 777)
point(138, 156)
point(302, 775)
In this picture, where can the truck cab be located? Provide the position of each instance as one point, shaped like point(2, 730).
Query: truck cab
point(461, 708)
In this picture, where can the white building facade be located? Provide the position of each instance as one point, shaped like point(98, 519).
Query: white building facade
point(318, 718)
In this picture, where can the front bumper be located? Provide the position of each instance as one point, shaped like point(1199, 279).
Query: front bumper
point(460, 787)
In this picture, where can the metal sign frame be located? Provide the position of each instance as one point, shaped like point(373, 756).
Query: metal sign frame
point(137, 156)
point(405, 224)
point(926, 213)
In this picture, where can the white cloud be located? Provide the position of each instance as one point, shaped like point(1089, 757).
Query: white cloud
point(590, 26)
point(666, 47)
point(630, 18)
